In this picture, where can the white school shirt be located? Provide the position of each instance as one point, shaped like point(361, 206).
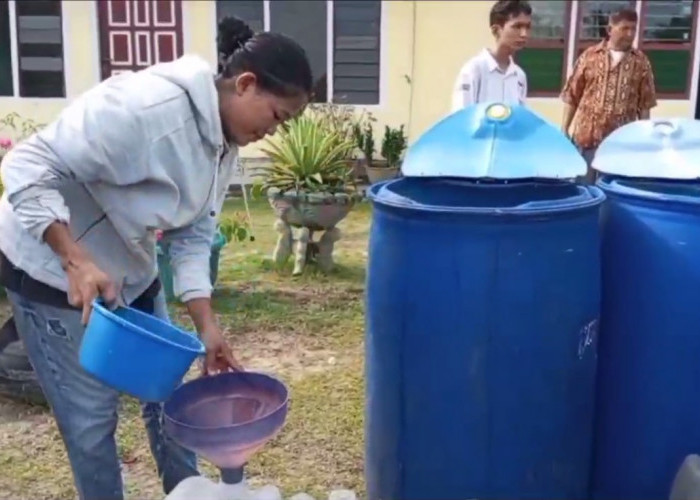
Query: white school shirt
point(482, 80)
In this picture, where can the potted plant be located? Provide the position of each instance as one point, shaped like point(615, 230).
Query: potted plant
point(310, 186)
point(229, 229)
point(363, 135)
point(344, 120)
point(392, 149)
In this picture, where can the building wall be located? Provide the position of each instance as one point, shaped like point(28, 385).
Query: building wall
point(424, 44)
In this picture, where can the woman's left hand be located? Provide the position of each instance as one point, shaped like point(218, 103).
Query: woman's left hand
point(219, 357)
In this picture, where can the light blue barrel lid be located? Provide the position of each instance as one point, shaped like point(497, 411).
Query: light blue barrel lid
point(661, 149)
point(497, 141)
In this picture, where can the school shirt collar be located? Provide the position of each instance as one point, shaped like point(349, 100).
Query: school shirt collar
point(492, 64)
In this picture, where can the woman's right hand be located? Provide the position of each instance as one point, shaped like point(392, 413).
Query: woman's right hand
point(87, 282)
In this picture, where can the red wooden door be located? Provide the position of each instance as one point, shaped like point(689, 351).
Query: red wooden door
point(135, 34)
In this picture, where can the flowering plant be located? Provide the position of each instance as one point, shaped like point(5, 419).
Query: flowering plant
point(5, 144)
point(14, 128)
point(235, 228)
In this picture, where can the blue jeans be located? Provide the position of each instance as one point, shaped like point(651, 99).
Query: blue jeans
point(85, 409)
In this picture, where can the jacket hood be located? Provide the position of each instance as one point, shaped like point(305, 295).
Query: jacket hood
point(194, 75)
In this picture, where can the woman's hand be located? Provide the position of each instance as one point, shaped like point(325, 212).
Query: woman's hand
point(219, 356)
point(86, 281)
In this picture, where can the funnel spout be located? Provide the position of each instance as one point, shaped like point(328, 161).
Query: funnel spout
point(231, 476)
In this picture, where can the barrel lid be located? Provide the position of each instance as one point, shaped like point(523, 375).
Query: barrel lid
point(657, 149)
point(494, 140)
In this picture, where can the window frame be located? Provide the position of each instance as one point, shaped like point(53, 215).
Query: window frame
point(330, 48)
point(689, 46)
point(14, 55)
point(540, 43)
point(641, 7)
point(582, 44)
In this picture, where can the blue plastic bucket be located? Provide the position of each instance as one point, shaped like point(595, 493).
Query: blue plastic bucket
point(137, 353)
point(166, 271)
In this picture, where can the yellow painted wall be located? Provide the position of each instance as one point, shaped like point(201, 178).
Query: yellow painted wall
point(424, 43)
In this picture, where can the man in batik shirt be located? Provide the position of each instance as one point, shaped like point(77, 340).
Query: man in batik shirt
point(612, 84)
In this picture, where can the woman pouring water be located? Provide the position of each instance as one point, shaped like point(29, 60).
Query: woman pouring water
point(147, 151)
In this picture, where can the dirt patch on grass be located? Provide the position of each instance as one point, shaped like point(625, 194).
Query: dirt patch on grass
point(279, 352)
point(12, 411)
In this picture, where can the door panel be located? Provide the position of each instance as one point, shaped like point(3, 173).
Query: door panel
point(135, 34)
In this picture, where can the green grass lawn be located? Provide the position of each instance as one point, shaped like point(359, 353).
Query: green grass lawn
point(308, 330)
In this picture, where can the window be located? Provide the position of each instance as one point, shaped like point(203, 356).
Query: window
point(341, 39)
point(37, 55)
point(40, 48)
point(356, 40)
point(6, 85)
point(666, 34)
point(305, 22)
point(593, 21)
point(544, 59)
point(252, 12)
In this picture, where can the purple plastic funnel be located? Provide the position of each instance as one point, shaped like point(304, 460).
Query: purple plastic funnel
point(226, 418)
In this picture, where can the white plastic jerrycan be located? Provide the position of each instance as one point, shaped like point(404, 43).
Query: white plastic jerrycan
point(202, 488)
point(686, 484)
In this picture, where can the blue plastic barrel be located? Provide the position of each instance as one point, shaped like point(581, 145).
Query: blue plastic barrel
point(648, 409)
point(482, 311)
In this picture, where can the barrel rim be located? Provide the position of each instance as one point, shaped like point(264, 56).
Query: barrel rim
point(141, 332)
point(613, 185)
point(569, 204)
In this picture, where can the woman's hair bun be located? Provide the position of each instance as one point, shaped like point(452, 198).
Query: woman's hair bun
point(233, 33)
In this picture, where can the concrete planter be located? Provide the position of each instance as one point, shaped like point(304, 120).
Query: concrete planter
point(316, 211)
point(299, 215)
point(379, 171)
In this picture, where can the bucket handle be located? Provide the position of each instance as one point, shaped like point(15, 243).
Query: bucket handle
point(201, 352)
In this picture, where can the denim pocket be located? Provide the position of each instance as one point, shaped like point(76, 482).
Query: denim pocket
point(55, 328)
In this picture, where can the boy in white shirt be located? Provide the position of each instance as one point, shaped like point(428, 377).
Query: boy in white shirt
point(493, 75)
